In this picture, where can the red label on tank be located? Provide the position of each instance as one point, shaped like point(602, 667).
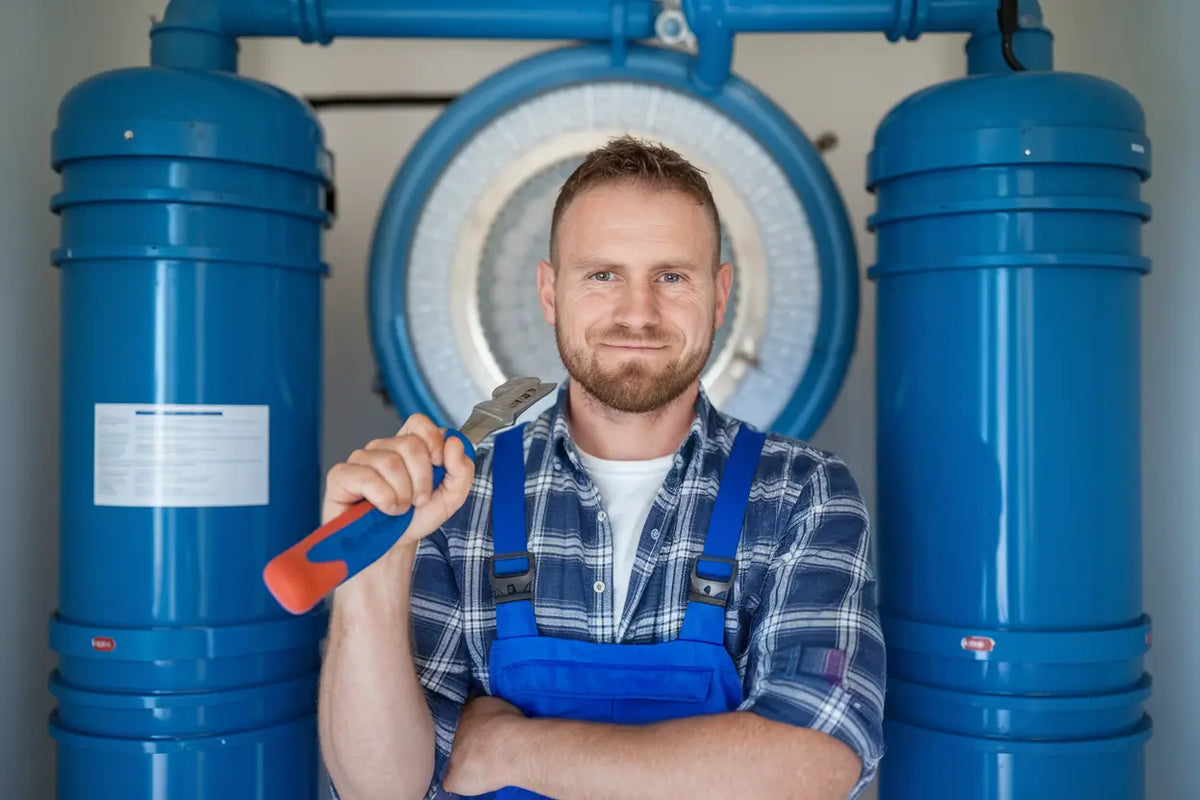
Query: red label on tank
point(103, 643)
point(978, 644)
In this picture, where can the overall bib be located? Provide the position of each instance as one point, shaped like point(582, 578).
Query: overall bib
point(619, 683)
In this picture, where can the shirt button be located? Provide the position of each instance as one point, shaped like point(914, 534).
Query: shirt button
point(601, 516)
point(654, 533)
point(599, 587)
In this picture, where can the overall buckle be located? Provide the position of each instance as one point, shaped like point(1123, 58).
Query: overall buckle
point(510, 586)
point(713, 591)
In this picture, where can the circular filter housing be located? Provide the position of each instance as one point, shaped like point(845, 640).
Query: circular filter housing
point(454, 301)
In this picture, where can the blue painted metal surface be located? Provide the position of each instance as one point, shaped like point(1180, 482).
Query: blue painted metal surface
point(191, 214)
point(1009, 229)
point(324, 20)
point(275, 763)
point(933, 765)
point(716, 22)
point(181, 714)
point(186, 658)
point(795, 155)
point(201, 34)
point(191, 272)
point(1035, 716)
point(1033, 661)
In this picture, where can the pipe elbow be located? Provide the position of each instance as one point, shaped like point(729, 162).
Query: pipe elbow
point(986, 22)
point(200, 14)
point(191, 35)
point(714, 43)
point(1028, 45)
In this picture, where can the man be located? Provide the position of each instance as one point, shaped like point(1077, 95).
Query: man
point(675, 607)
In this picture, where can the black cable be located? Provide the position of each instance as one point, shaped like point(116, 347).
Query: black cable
point(1009, 25)
point(334, 101)
point(379, 100)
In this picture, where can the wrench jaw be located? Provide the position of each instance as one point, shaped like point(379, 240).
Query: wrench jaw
point(509, 400)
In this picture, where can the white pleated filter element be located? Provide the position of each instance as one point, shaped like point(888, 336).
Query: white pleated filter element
point(472, 309)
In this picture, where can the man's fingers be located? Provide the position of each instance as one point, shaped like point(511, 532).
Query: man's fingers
point(392, 469)
point(427, 431)
point(417, 462)
point(349, 483)
point(396, 473)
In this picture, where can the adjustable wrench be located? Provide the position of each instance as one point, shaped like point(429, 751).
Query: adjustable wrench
point(341, 548)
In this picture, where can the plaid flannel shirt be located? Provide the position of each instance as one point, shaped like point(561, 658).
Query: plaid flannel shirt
point(801, 623)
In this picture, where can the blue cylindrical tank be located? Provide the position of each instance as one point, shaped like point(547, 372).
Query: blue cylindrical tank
point(275, 763)
point(192, 208)
point(1009, 239)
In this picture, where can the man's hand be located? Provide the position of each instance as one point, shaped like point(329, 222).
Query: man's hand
point(478, 761)
point(396, 474)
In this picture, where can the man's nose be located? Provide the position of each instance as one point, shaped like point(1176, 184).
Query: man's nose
point(638, 306)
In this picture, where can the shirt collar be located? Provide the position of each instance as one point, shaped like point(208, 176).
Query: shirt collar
point(705, 423)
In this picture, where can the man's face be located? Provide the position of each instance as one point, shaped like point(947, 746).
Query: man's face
point(635, 300)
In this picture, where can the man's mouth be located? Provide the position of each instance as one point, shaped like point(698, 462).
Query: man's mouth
point(633, 346)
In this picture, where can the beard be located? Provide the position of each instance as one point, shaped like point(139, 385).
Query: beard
point(632, 387)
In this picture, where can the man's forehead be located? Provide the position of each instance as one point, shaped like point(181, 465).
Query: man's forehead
point(625, 190)
point(599, 211)
point(613, 213)
point(601, 261)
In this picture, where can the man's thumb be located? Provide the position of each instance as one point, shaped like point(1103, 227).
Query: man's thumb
point(460, 471)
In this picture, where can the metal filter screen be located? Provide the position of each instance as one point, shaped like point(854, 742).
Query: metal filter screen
point(472, 310)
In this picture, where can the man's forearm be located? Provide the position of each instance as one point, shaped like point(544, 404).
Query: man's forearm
point(375, 725)
point(717, 755)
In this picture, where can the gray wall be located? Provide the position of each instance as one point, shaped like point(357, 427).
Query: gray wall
point(28, 403)
point(840, 83)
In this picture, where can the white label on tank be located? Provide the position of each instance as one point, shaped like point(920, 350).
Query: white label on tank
point(1138, 148)
point(181, 455)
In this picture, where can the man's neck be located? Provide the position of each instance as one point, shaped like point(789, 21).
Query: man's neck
point(620, 436)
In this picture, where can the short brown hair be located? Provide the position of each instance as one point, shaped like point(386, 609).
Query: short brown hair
point(627, 159)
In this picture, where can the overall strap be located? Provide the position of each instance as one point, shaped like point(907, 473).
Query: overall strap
point(714, 572)
point(510, 569)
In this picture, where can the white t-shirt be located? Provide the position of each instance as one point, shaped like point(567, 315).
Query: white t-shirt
point(627, 490)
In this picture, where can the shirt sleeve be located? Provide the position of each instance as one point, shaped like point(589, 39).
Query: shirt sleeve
point(816, 655)
point(439, 650)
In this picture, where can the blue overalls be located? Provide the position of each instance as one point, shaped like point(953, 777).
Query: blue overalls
point(629, 684)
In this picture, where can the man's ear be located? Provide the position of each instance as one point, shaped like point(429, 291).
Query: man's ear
point(724, 283)
point(545, 282)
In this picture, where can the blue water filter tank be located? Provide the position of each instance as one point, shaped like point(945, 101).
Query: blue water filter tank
point(1009, 546)
point(192, 206)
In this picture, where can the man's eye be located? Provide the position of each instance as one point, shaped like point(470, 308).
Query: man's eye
point(602, 275)
point(672, 277)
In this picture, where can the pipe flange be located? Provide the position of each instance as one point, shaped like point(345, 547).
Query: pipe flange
point(671, 27)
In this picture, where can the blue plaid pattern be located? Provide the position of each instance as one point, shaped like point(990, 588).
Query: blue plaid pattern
point(801, 623)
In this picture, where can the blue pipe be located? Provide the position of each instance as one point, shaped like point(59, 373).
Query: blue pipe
point(202, 34)
point(830, 16)
point(716, 22)
point(897, 18)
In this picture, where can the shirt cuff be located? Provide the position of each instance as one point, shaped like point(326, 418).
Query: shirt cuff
point(828, 708)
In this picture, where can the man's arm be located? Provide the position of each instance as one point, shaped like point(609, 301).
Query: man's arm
point(719, 755)
point(366, 726)
point(375, 726)
point(384, 710)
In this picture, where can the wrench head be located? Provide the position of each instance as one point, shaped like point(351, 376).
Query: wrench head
point(508, 401)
